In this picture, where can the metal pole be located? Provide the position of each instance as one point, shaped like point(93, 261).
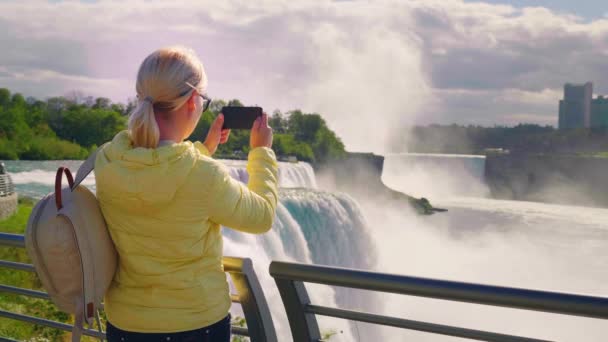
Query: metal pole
point(252, 299)
point(304, 327)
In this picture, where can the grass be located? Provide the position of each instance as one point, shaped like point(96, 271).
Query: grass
point(16, 224)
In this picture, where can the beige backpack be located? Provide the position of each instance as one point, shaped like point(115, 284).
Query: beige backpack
point(71, 249)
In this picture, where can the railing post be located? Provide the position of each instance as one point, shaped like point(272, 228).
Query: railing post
point(252, 299)
point(304, 327)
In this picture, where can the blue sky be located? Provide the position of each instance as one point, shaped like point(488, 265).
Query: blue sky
point(588, 9)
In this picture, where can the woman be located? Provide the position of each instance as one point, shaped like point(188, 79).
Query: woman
point(164, 200)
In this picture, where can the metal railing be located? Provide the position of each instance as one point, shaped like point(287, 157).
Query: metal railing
point(260, 327)
point(6, 185)
point(290, 279)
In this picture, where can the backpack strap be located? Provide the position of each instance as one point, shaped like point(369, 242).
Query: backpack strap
point(86, 167)
point(78, 322)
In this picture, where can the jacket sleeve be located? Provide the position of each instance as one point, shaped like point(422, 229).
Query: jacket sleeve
point(248, 208)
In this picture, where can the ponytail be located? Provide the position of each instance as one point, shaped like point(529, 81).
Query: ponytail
point(143, 126)
point(161, 86)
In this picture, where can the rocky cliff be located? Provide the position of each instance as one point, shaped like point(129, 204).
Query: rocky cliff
point(360, 174)
point(554, 179)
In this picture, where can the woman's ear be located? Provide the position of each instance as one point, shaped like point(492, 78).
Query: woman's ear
point(191, 102)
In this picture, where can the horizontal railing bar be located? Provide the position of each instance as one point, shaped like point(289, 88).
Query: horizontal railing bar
point(24, 292)
point(554, 302)
point(43, 295)
point(17, 266)
point(48, 323)
point(67, 327)
point(239, 331)
point(31, 293)
point(416, 325)
point(12, 240)
point(232, 264)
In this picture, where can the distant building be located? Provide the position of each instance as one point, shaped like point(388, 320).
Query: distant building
point(495, 151)
point(575, 108)
point(579, 109)
point(599, 112)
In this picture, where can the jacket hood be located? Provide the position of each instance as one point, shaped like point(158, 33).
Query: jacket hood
point(143, 177)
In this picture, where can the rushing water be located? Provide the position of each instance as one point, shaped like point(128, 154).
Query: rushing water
point(520, 244)
point(36, 178)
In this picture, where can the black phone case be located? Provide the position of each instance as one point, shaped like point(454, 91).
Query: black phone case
point(240, 117)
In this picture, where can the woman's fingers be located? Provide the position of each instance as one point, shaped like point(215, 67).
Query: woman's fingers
point(261, 134)
point(215, 134)
point(219, 122)
point(225, 135)
point(256, 124)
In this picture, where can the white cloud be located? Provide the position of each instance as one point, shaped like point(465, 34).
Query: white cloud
point(362, 65)
point(544, 97)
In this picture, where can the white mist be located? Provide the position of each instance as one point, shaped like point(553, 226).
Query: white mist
point(517, 244)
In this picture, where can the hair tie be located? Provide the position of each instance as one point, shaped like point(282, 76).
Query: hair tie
point(149, 99)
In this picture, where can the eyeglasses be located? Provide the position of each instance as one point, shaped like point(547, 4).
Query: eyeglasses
point(206, 100)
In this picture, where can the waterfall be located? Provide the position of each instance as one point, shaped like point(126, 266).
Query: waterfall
point(291, 175)
point(333, 225)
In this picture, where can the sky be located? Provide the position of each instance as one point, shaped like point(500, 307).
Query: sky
point(587, 9)
point(371, 68)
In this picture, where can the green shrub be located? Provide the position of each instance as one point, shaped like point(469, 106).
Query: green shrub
point(41, 148)
point(8, 150)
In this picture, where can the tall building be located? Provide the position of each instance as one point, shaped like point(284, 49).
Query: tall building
point(599, 112)
point(575, 108)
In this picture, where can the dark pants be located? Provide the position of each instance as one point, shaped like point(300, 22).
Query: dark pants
point(217, 332)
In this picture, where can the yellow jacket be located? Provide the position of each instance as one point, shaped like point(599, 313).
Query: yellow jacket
point(164, 208)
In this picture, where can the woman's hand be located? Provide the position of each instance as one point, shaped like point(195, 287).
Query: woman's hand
point(261, 133)
point(216, 134)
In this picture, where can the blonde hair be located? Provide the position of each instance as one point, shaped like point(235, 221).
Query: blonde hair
point(161, 87)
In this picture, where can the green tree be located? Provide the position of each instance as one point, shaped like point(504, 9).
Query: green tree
point(235, 103)
point(285, 144)
point(90, 126)
point(102, 103)
point(70, 127)
point(312, 130)
point(216, 106)
point(5, 97)
point(277, 122)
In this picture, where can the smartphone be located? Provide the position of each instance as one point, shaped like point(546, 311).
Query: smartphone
point(240, 117)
